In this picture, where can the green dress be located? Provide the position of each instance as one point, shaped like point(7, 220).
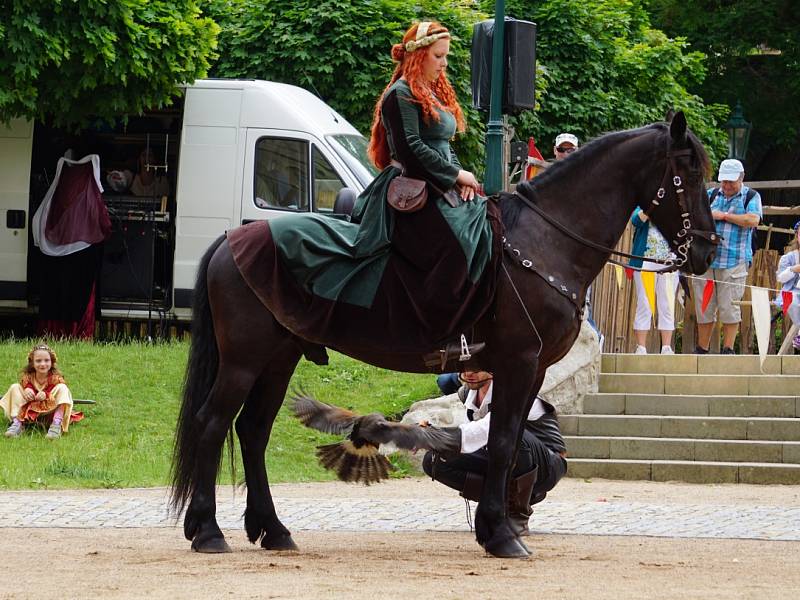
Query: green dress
point(431, 273)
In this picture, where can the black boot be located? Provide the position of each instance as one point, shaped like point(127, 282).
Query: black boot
point(519, 501)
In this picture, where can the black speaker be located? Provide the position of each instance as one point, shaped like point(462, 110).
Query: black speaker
point(519, 59)
point(128, 262)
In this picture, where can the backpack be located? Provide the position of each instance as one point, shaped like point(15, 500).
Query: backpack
point(747, 198)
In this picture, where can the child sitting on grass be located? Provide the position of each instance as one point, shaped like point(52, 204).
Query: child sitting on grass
point(40, 393)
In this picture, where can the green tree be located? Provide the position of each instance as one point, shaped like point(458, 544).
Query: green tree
point(753, 51)
point(605, 68)
point(339, 49)
point(70, 60)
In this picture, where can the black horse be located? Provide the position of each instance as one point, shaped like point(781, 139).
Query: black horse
point(559, 229)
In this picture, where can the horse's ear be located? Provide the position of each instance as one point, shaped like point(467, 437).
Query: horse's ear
point(677, 128)
point(669, 115)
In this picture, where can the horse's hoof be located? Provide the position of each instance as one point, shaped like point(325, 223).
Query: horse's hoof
point(507, 548)
point(281, 543)
point(216, 545)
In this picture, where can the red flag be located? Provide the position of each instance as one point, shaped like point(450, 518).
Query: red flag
point(533, 152)
point(707, 291)
point(629, 273)
point(787, 298)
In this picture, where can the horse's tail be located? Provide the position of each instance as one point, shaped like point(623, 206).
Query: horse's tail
point(201, 371)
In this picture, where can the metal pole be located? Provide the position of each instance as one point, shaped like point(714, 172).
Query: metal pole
point(494, 132)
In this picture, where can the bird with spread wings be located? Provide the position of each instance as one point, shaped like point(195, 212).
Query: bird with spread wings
point(357, 458)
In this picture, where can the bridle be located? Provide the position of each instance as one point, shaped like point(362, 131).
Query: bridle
point(682, 244)
point(685, 235)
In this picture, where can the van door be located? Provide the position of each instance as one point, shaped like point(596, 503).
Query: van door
point(16, 144)
point(289, 172)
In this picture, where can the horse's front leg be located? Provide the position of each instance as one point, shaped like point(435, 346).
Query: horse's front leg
point(512, 396)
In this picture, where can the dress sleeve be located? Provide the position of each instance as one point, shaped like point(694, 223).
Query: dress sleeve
point(784, 272)
point(402, 119)
point(454, 159)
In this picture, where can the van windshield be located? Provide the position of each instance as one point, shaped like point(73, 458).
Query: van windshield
point(352, 149)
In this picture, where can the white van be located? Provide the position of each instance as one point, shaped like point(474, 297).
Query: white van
point(232, 151)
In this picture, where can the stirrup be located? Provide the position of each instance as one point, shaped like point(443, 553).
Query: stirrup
point(460, 350)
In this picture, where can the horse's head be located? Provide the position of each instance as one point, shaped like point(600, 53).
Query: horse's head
point(680, 208)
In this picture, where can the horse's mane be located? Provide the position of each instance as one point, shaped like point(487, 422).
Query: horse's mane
point(579, 164)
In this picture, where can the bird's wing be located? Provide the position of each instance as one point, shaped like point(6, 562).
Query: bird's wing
point(376, 429)
point(321, 416)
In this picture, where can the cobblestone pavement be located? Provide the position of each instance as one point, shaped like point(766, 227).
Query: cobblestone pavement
point(147, 508)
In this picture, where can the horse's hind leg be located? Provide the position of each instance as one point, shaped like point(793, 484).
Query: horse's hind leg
point(215, 418)
point(253, 426)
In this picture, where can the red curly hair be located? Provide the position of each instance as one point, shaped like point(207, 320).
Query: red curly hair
point(409, 66)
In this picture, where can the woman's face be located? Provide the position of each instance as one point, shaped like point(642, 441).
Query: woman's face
point(436, 60)
point(42, 362)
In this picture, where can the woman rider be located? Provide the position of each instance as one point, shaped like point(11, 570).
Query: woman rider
point(431, 270)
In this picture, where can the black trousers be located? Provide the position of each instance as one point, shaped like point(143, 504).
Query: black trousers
point(452, 470)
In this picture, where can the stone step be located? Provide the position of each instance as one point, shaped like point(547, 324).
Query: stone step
point(692, 405)
point(711, 364)
point(688, 471)
point(725, 428)
point(644, 448)
point(708, 385)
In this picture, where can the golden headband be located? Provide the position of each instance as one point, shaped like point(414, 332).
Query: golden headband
point(423, 39)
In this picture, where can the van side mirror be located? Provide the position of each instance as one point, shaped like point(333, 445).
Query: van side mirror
point(345, 200)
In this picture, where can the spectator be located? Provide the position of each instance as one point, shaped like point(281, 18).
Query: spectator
point(42, 394)
point(566, 144)
point(788, 275)
point(737, 211)
point(648, 242)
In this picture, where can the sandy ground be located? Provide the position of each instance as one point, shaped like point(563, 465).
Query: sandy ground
point(157, 563)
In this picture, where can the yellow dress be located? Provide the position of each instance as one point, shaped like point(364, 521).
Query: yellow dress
point(14, 403)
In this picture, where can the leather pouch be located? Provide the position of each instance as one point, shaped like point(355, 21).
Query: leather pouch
point(407, 194)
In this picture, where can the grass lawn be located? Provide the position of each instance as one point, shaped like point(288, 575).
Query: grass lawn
point(126, 438)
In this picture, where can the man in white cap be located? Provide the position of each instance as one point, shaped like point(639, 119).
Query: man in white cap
point(566, 144)
point(737, 211)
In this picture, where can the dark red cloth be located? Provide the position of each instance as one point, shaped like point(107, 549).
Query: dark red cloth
point(404, 316)
point(77, 211)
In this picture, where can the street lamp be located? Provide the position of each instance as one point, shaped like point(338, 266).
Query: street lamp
point(738, 133)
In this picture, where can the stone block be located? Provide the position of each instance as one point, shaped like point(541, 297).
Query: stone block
point(657, 404)
point(738, 451)
point(604, 404)
point(607, 469)
point(791, 452)
point(694, 472)
point(568, 424)
point(587, 447)
point(770, 474)
point(752, 406)
point(656, 363)
point(619, 426)
point(651, 449)
point(744, 364)
point(790, 364)
point(620, 383)
point(704, 428)
point(769, 385)
point(608, 363)
point(569, 380)
point(773, 429)
point(706, 385)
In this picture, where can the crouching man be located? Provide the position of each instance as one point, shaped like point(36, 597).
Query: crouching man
point(540, 464)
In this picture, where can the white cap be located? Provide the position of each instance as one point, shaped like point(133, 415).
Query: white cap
point(566, 137)
point(730, 170)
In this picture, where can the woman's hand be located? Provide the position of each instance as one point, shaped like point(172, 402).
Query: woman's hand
point(795, 269)
point(467, 185)
point(41, 396)
point(28, 395)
